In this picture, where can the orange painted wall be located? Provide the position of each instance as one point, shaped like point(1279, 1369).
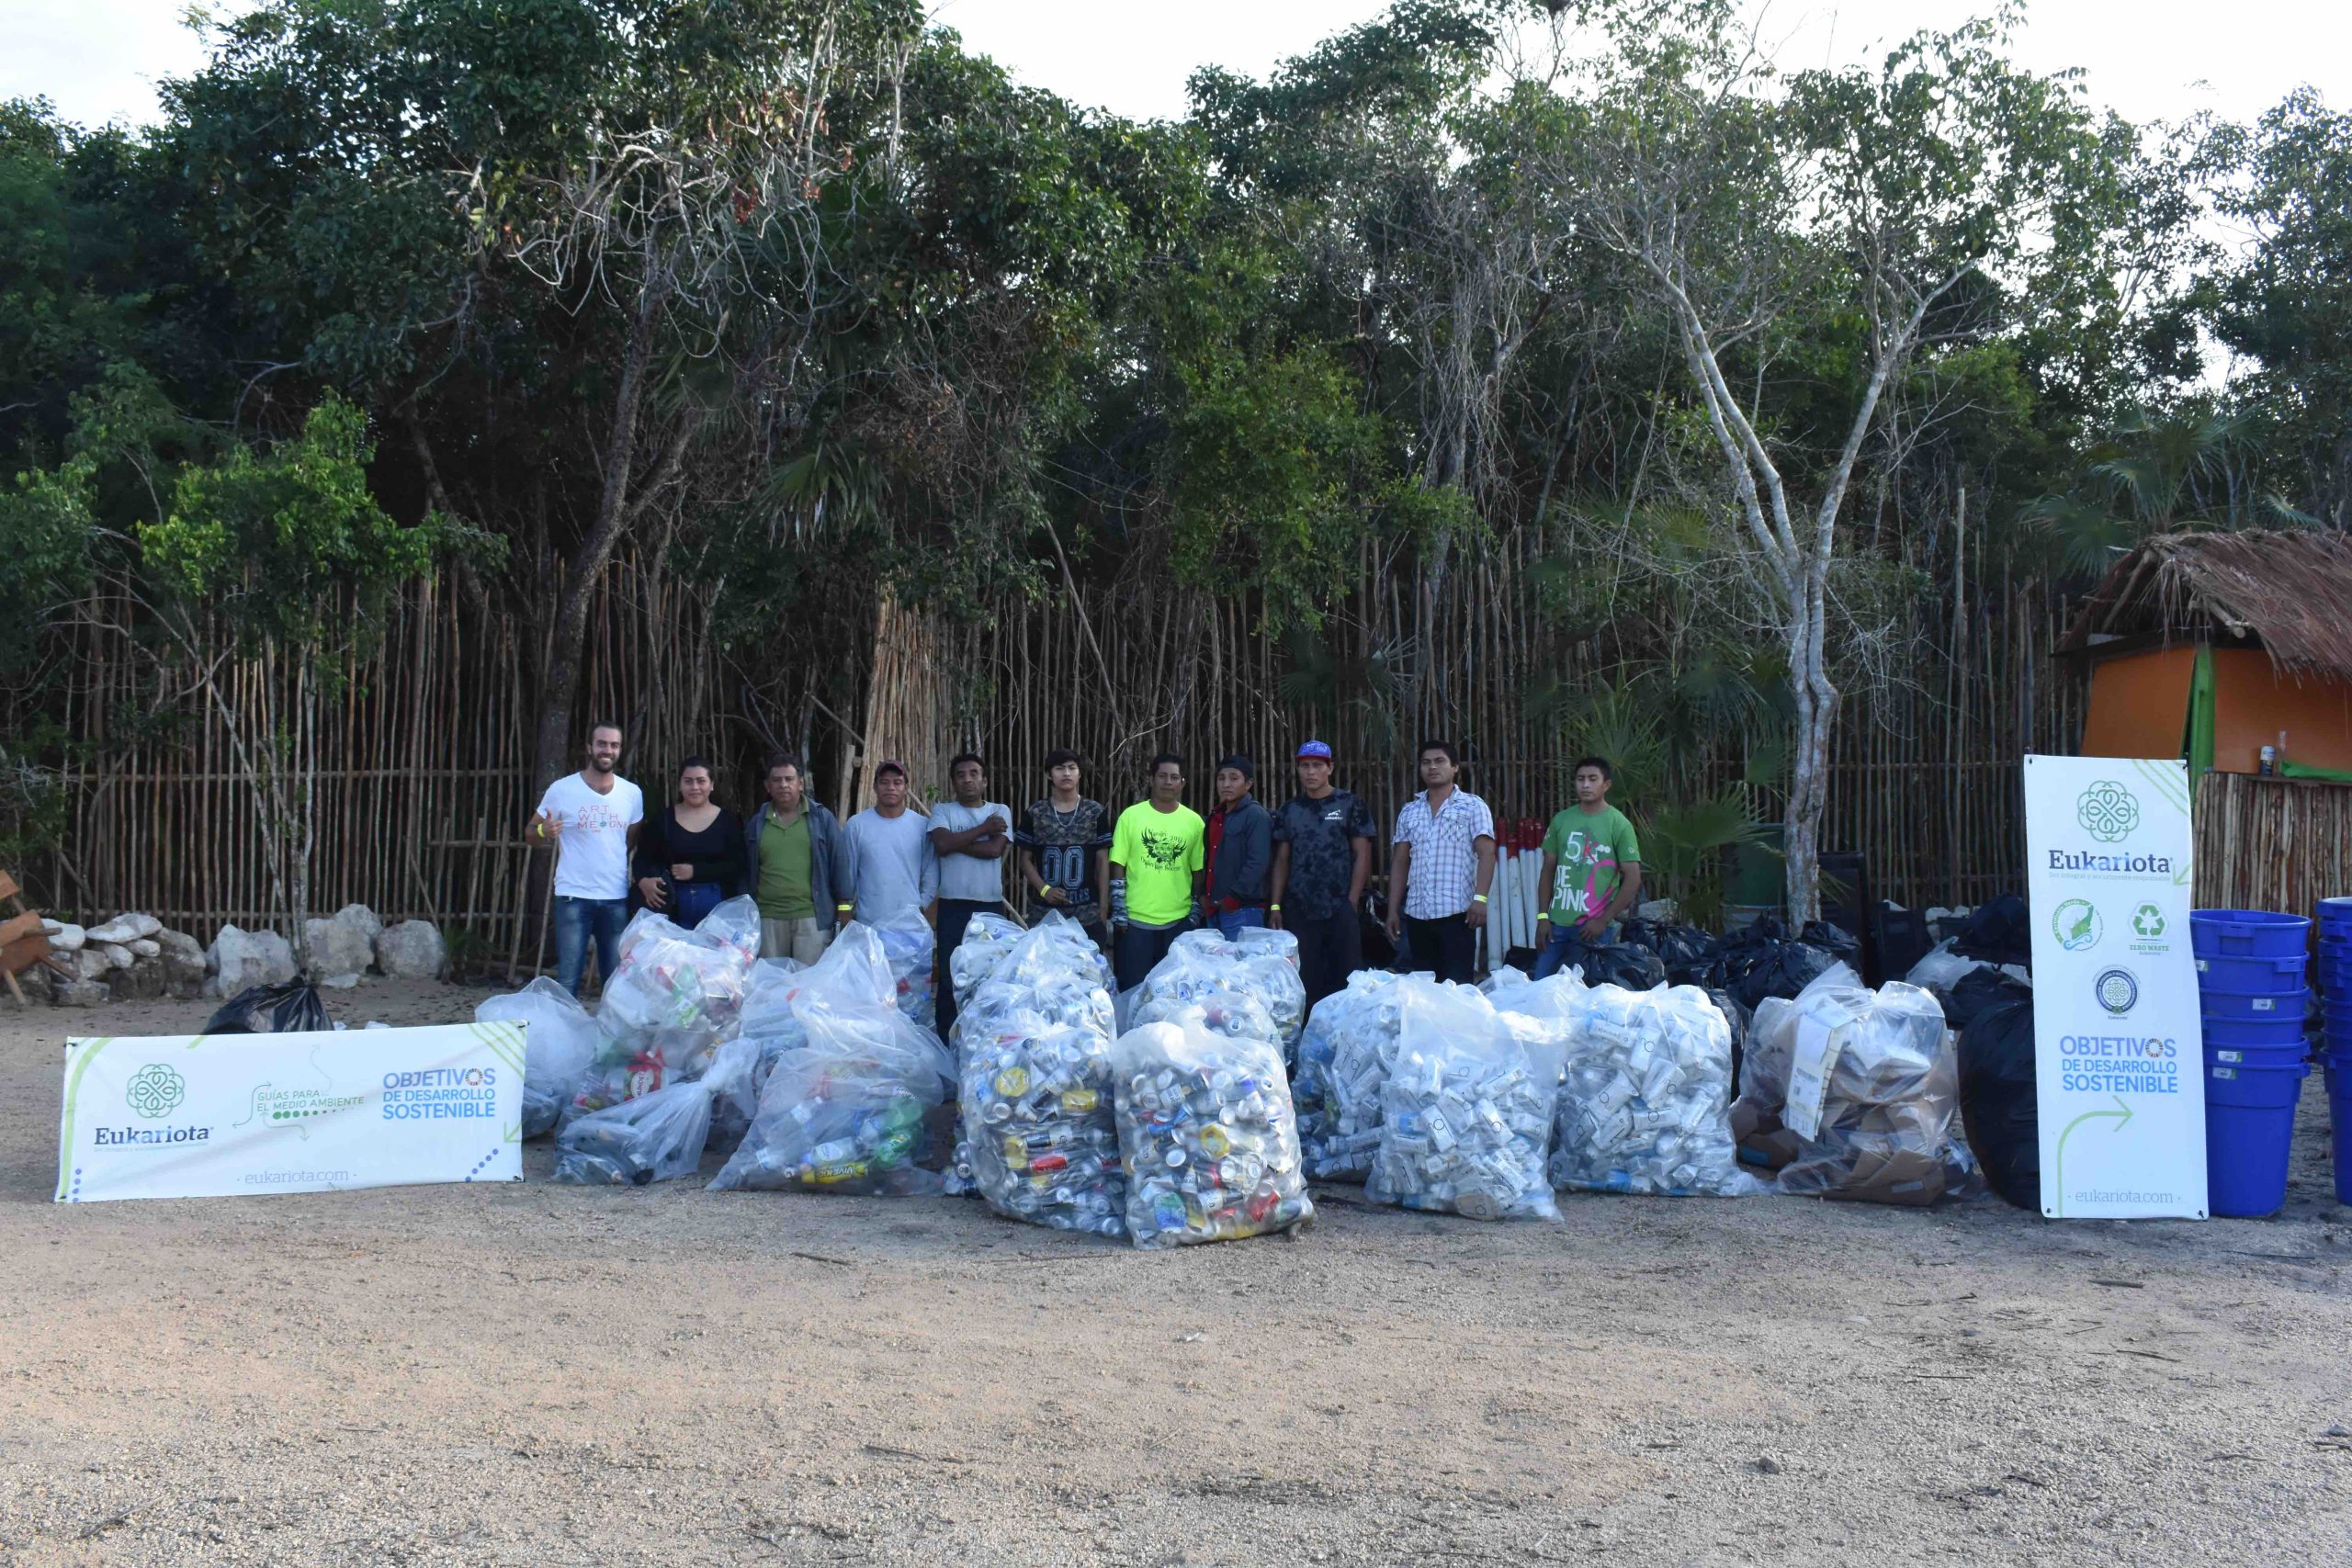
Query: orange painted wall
point(2139, 704)
point(2253, 702)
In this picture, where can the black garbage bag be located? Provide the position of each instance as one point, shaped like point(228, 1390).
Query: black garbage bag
point(1996, 1100)
point(1981, 988)
point(1833, 939)
point(1688, 954)
point(1738, 1017)
point(1998, 931)
point(291, 1008)
point(1616, 964)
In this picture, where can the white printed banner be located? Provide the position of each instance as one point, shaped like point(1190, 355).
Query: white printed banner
point(2118, 1052)
point(229, 1115)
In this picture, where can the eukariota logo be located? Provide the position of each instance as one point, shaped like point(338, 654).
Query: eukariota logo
point(2108, 812)
point(2076, 925)
point(154, 1091)
point(2118, 991)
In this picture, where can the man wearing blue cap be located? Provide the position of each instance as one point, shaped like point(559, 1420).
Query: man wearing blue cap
point(1322, 861)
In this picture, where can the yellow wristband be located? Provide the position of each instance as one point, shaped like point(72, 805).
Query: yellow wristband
point(1273, 909)
point(1477, 898)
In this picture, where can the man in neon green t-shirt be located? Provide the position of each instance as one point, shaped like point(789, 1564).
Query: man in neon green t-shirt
point(1157, 851)
point(1592, 866)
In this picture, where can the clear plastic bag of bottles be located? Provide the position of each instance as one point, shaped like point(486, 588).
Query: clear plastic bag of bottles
point(1038, 1123)
point(1647, 1101)
point(1344, 1061)
point(845, 1114)
point(1050, 979)
point(1207, 1133)
point(654, 1137)
point(560, 1047)
point(1466, 1112)
point(1202, 966)
point(909, 945)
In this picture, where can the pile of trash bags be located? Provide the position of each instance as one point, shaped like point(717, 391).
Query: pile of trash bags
point(1038, 1134)
point(845, 1079)
point(1206, 1133)
point(1203, 966)
point(1764, 961)
point(1344, 1055)
point(1468, 1109)
point(1851, 1092)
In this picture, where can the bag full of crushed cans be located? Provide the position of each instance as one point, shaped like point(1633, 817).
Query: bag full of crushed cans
point(1644, 1104)
point(1344, 1061)
point(1202, 965)
point(1207, 1133)
point(1038, 1126)
point(1467, 1110)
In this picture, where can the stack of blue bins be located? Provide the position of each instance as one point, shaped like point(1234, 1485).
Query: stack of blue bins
point(2253, 993)
point(2335, 1038)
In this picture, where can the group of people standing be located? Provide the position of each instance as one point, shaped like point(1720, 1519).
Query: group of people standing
point(1135, 881)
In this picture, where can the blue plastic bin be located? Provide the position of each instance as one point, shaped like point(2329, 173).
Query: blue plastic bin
point(2249, 1133)
point(2337, 912)
point(2339, 1123)
point(2260, 1006)
point(2248, 933)
point(2252, 976)
point(2282, 1029)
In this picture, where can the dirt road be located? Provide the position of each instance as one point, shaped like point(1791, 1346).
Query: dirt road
point(538, 1374)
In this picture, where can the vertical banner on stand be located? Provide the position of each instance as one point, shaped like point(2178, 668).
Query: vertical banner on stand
point(2118, 1049)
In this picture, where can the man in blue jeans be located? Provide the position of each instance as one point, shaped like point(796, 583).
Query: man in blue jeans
point(591, 818)
point(1240, 849)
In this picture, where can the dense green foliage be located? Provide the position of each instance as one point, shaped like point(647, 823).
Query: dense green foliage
point(815, 300)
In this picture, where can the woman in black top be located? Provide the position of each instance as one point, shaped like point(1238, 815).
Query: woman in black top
point(690, 854)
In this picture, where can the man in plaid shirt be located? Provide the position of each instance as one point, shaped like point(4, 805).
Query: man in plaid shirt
point(1438, 871)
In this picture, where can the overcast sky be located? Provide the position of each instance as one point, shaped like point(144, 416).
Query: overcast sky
point(99, 60)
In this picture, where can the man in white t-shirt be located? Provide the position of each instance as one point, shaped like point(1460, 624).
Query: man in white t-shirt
point(970, 835)
point(591, 816)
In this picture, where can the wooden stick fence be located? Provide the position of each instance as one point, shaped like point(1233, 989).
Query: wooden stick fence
point(423, 761)
point(2272, 843)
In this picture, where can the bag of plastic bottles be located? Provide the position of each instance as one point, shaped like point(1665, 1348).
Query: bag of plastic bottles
point(654, 1137)
point(1207, 1133)
point(910, 944)
point(1645, 1104)
point(1038, 1123)
point(845, 1113)
point(1202, 965)
point(558, 1048)
point(1466, 1113)
point(1344, 1061)
point(666, 1009)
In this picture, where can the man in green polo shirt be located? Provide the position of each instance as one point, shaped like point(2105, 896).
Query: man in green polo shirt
point(1158, 851)
point(796, 844)
point(1592, 865)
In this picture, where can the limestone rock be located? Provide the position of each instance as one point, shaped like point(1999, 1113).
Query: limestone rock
point(339, 949)
point(122, 929)
point(239, 959)
point(410, 951)
point(360, 917)
point(81, 994)
point(116, 955)
point(92, 963)
point(183, 959)
point(37, 983)
point(67, 938)
point(143, 981)
point(145, 947)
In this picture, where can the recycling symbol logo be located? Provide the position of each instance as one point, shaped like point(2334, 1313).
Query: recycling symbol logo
point(2148, 921)
point(2107, 811)
point(155, 1090)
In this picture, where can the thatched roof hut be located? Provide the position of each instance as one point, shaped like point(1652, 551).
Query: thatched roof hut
point(2287, 593)
point(2212, 646)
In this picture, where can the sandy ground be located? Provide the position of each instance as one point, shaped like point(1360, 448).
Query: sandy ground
point(543, 1374)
